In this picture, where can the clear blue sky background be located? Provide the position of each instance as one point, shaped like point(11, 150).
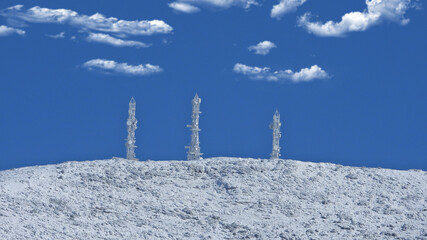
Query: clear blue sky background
point(371, 111)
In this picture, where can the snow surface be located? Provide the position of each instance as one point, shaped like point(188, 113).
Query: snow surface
point(217, 198)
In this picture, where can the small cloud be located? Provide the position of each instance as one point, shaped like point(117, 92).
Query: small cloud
point(285, 6)
point(107, 39)
point(6, 31)
point(16, 7)
point(57, 36)
point(376, 12)
point(308, 74)
point(110, 66)
point(187, 4)
point(262, 48)
point(183, 7)
point(265, 73)
point(95, 22)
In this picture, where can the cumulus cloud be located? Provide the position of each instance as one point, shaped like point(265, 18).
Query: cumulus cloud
point(376, 12)
point(57, 36)
point(107, 39)
point(6, 31)
point(285, 6)
point(183, 7)
point(262, 48)
point(215, 3)
point(110, 66)
point(16, 7)
point(265, 73)
point(96, 22)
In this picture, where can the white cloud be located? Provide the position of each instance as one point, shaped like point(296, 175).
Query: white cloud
point(16, 7)
point(262, 48)
point(110, 66)
point(309, 74)
point(107, 39)
point(6, 31)
point(265, 73)
point(95, 22)
point(183, 7)
point(57, 36)
point(285, 6)
point(220, 3)
point(376, 12)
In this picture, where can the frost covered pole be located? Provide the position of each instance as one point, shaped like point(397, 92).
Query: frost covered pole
point(131, 125)
point(275, 125)
point(194, 148)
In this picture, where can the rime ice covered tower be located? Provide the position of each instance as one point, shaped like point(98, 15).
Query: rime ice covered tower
point(194, 148)
point(275, 125)
point(131, 125)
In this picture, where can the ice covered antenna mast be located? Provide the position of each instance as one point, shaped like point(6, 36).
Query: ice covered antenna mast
point(131, 125)
point(194, 148)
point(275, 125)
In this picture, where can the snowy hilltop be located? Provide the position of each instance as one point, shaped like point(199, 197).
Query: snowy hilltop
point(217, 198)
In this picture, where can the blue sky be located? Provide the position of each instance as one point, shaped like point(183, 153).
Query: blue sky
point(348, 78)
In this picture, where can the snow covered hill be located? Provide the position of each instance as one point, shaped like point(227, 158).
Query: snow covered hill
point(217, 198)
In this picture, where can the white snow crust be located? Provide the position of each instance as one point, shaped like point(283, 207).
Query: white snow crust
point(217, 198)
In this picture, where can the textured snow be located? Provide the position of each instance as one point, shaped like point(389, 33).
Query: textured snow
point(217, 198)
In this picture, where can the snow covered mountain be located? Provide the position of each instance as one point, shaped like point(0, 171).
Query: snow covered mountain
point(217, 198)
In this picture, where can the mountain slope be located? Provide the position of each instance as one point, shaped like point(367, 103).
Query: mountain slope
point(218, 198)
